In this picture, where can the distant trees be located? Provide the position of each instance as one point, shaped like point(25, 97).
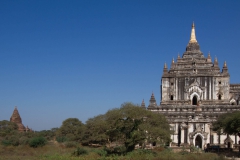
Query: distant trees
point(119, 130)
point(9, 135)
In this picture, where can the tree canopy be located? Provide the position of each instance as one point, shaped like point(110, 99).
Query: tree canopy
point(228, 123)
point(128, 125)
point(71, 129)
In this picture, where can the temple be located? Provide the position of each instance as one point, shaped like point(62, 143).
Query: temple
point(18, 120)
point(194, 92)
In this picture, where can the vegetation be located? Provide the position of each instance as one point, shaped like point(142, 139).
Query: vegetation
point(37, 142)
point(121, 129)
point(71, 130)
point(59, 152)
point(228, 123)
point(112, 135)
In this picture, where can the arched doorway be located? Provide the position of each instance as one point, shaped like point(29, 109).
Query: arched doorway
point(194, 100)
point(198, 141)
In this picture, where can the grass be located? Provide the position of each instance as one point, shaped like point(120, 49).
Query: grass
point(58, 151)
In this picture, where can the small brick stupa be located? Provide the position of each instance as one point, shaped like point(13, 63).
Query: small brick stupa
point(17, 119)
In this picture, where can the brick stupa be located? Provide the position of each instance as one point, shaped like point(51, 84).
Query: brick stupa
point(17, 119)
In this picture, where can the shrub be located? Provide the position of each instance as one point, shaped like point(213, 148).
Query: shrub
point(101, 152)
point(6, 142)
point(37, 142)
point(118, 150)
point(23, 140)
point(61, 139)
point(79, 151)
point(70, 144)
point(14, 140)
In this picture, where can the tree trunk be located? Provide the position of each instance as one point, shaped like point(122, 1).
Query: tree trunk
point(239, 144)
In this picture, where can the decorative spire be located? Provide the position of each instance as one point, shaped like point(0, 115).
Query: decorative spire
point(193, 36)
point(143, 104)
point(209, 59)
point(216, 63)
point(165, 69)
point(225, 64)
point(152, 101)
point(165, 65)
point(225, 69)
point(172, 65)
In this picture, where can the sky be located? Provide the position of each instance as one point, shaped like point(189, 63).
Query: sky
point(64, 59)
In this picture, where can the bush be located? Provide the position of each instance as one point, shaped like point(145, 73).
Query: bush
point(118, 150)
point(79, 151)
point(61, 139)
point(6, 142)
point(37, 142)
point(101, 152)
point(23, 140)
point(70, 144)
point(14, 140)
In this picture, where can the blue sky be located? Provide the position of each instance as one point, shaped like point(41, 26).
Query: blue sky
point(62, 59)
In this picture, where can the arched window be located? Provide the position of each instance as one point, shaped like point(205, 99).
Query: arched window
point(194, 100)
point(171, 97)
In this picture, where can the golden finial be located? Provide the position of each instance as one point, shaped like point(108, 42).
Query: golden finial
point(193, 36)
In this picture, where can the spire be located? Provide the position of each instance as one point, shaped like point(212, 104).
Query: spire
point(225, 64)
point(152, 101)
point(215, 62)
point(165, 65)
point(165, 69)
point(172, 65)
point(193, 48)
point(225, 69)
point(178, 56)
point(209, 59)
point(143, 104)
point(193, 36)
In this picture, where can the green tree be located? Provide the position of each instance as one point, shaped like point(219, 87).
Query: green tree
point(95, 132)
point(72, 129)
point(228, 123)
point(127, 126)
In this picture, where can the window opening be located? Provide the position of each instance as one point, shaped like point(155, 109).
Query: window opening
point(219, 97)
point(194, 100)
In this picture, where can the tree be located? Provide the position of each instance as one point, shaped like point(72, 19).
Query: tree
point(95, 132)
point(72, 129)
point(127, 126)
point(228, 123)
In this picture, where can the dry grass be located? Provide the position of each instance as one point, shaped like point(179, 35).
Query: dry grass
point(55, 151)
